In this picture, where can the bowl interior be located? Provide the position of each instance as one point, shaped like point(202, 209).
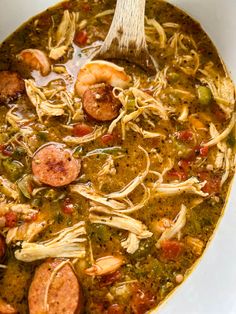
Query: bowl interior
point(211, 287)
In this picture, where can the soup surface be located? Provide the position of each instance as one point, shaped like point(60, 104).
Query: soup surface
point(112, 179)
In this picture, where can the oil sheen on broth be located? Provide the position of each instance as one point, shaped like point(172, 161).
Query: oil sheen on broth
point(112, 180)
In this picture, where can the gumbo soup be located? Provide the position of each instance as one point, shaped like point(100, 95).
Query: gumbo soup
point(112, 179)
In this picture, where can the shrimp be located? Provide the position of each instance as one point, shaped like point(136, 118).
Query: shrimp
point(104, 266)
point(35, 59)
point(100, 72)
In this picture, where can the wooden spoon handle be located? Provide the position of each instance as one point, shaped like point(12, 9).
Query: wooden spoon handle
point(126, 35)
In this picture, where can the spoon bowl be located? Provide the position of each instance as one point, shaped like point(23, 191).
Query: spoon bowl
point(126, 37)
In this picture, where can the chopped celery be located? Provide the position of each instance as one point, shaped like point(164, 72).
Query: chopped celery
point(181, 148)
point(130, 106)
point(25, 185)
point(78, 152)
point(173, 77)
point(108, 150)
point(231, 140)
point(204, 95)
point(13, 169)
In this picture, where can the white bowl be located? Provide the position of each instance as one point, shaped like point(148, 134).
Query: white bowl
point(211, 288)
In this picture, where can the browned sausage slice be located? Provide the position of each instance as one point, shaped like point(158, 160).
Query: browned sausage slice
point(6, 308)
point(64, 295)
point(11, 86)
point(55, 166)
point(100, 104)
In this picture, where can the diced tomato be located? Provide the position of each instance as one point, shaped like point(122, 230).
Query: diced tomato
point(68, 206)
point(107, 138)
point(115, 309)
point(201, 150)
point(219, 114)
point(11, 219)
point(32, 217)
point(204, 151)
point(2, 247)
point(6, 150)
point(171, 249)
point(107, 280)
point(86, 7)
point(45, 20)
point(177, 174)
point(142, 301)
point(66, 5)
point(82, 129)
point(184, 136)
point(212, 182)
point(184, 165)
point(81, 38)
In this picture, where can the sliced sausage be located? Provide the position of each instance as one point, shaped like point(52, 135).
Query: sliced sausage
point(100, 104)
point(55, 166)
point(64, 293)
point(11, 86)
point(2, 247)
point(6, 308)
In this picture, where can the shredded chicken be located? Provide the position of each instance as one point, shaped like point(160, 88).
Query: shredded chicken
point(183, 117)
point(104, 13)
point(191, 186)
point(228, 165)
point(68, 243)
point(15, 120)
point(224, 157)
point(175, 228)
point(131, 244)
point(220, 137)
point(134, 183)
point(189, 64)
point(25, 211)
point(108, 171)
point(144, 133)
point(145, 99)
point(90, 193)
point(160, 30)
point(23, 138)
point(26, 232)
point(222, 88)
point(160, 81)
point(115, 122)
point(181, 43)
point(9, 189)
point(97, 132)
point(102, 215)
point(63, 36)
point(50, 101)
point(108, 168)
point(132, 208)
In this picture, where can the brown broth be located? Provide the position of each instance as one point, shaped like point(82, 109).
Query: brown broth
point(147, 268)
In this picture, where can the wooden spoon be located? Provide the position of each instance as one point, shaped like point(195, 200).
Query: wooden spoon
point(126, 37)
